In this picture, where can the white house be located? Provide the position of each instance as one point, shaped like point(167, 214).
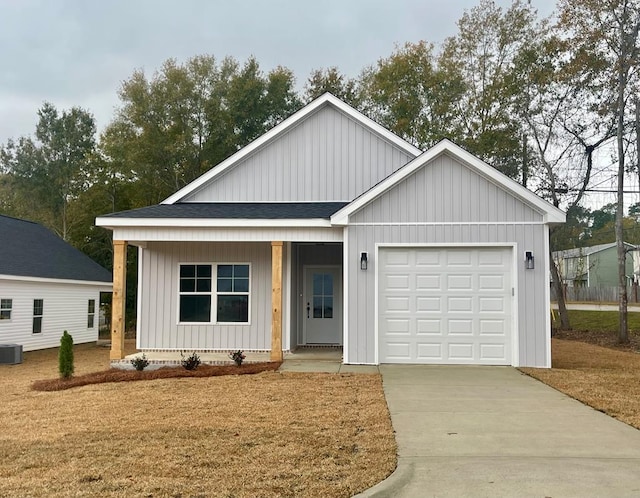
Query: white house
point(46, 287)
point(331, 230)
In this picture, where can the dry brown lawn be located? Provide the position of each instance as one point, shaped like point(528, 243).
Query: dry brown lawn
point(606, 379)
point(265, 435)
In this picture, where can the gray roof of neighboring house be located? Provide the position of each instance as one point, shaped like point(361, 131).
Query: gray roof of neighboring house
point(31, 250)
point(586, 251)
point(235, 210)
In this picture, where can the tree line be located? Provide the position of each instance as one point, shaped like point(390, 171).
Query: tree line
point(548, 102)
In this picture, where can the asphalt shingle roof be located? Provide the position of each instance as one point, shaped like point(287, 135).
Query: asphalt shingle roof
point(236, 210)
point(31, 250)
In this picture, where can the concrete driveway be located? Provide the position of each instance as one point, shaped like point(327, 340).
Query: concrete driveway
point(494, 432)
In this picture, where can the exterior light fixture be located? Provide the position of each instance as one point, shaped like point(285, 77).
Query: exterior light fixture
point(529, 263)
point(363, 261)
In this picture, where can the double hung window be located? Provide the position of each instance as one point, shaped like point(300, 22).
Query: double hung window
point(6, 305)
point(38, 311)
point(214, 293)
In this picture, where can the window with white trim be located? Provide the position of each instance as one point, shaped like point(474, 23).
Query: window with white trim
point(38, 311)
point(91, 313)
point(202, 302)
point(6, 306)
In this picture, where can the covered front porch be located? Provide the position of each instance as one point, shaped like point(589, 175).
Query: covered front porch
point(295, 296)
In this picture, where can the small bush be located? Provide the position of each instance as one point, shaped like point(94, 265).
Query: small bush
point(238, 357)
point(140, 362)
point(65, 356)
point(190, 362)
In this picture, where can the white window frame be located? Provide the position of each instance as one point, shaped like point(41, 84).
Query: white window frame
point(4, 309)
point(40, 316)
point(213, 294)
point(91, 315)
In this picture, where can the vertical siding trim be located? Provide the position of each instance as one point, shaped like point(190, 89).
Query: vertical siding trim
point(286, 305)
point(515, 310)
point(346, 292)
point(139, 296)
point(547, 300)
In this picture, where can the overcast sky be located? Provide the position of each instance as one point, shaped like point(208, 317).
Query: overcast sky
point(78, 52)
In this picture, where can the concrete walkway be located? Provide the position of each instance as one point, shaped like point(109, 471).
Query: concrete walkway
point(494, 432)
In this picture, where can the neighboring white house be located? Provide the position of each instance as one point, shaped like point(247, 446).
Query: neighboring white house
point(46, 287)
point(331, 230)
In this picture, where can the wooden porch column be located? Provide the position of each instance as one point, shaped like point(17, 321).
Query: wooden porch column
point(119, 298)
point(276, 301)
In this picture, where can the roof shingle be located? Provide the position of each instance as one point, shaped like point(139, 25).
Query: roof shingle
point(31, 250)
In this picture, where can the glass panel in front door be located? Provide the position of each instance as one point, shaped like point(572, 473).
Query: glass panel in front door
point(322, 295)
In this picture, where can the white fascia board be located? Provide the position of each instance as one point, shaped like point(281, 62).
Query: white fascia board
point(106, 285)
point(551, 213)
point(291, 121)
point(109, 222)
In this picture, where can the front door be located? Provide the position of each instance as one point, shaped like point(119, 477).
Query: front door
point(322, 305)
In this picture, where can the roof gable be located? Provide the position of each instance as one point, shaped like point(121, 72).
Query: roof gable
point(550, 213)
point(31, 250)
point(303, 154)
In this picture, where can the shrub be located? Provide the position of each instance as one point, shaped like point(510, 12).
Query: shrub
point(65, 356)
point(237, 356)
point(140, 362)
point(190, 362)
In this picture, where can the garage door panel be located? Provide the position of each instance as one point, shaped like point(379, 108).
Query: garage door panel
point(460, 304)
point(429, 351)
point(397, 303)
point(460, 282)
point(425, 326)
point(491, 282)
point(428, 282)
point(491, 304)
point(445, 305)
point(461, 351)
point(460, 327)
point(492, 327)
point(429, 304)
point(399, 351)
point(398, 327)
point(492, 351)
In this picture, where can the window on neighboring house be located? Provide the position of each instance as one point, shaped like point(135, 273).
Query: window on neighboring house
point(229, 300)
point(6, 305)
point(91, 313)
point(38, 308)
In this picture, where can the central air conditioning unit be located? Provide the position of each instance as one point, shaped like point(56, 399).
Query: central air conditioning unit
point(10, 354)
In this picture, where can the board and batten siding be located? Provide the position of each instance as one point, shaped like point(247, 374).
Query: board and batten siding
point(158, 327)
point(531, 292)
point(326, 157)
point(65, 307)
point(444, 190)
point(448, 207)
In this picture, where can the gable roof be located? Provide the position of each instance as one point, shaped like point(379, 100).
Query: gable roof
point(226, 211)
point(325, 100)
point(551, 213)
point(31, 250)
point(579, 252)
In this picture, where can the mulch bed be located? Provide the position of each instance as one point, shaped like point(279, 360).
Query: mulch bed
point(119, 375)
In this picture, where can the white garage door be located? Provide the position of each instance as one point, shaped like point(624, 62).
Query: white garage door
point(445, 305)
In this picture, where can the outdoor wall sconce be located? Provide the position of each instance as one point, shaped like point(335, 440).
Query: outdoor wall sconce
point(528, 260)
point(363, 261)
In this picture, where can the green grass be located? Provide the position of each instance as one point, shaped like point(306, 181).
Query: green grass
point(599, 320)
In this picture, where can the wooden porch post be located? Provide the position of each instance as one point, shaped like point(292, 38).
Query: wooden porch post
point(276, 301)
point(119, 298)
